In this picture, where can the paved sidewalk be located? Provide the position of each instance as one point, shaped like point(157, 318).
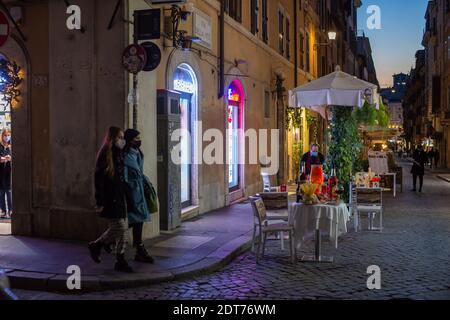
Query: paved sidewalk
point(441, 173)
point(413, 254)
point(202, 245)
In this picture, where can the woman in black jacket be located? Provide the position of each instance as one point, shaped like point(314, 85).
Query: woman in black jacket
point(110, 195)
point(5, 174)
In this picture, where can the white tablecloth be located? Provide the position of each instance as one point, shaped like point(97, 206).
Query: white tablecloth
point(330, 219)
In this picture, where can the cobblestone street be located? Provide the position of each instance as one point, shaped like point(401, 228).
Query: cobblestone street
point(413, 253)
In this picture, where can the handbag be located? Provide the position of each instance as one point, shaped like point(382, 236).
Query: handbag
point(150, 197)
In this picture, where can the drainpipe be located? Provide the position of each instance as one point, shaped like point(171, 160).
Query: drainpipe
point(222, 50)
point(295, 44)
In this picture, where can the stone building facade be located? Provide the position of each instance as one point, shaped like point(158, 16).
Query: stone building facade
point(75, 88)
point(436, 41)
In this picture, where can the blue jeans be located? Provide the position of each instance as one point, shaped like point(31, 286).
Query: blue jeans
point(5, 199)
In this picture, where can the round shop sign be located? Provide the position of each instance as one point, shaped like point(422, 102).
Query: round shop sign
point(4, 29)
point(134, 58)
point(153, 56)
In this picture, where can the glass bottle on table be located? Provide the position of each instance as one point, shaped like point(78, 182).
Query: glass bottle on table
point(332, 184)
point(317, 177)
point(302, 180)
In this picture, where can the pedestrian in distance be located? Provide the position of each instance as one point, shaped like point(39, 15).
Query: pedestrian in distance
point(418, 169)
point(430, 155)
point(111, 198)
point(436, 158)
point(5, 175)
point(137, 183)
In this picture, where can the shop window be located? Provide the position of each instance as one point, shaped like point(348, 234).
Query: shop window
point(254, 16)
point(266, 104)
point(234, 9)
point(185, 83)
point(302, 51)
point(281, 32)
point(307, 53)
point(448, 47)
point(235, 99)
point(265, 21)
point(288, 39)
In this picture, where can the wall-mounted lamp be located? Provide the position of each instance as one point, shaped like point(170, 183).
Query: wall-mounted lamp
point(180, 38)
point(332, 35)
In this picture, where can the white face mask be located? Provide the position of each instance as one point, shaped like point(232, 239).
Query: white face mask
point(120, 143)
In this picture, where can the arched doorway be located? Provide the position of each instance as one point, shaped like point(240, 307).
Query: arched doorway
point(235, 127)
point(15, 116)
point(185, 82)
point(6, 207)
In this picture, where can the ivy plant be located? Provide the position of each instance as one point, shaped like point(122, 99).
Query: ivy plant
point(345, 146)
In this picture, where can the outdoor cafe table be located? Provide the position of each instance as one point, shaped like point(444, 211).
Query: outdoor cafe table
point(310, 219)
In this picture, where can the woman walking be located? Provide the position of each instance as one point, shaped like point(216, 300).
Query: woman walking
point(5, 175)
point(138, 212)
point(110, 195)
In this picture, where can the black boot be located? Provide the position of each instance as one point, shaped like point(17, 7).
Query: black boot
point(95, 248)
point(108, 248)
point(142, 255)
point(122, 265)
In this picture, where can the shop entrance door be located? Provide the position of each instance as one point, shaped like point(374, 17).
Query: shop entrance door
point(186, 151)
point(5, 151)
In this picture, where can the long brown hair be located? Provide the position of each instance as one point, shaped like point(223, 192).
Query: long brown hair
point(106, 148)
point(4, 133)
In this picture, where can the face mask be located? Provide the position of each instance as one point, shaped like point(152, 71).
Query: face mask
point(137, 144)
point(120, 144)
point(7, 139)
point(314, 154)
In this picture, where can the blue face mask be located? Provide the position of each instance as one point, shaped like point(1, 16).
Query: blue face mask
point(314, 154)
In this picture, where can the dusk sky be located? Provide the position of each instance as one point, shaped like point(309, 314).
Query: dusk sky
point(395, 45)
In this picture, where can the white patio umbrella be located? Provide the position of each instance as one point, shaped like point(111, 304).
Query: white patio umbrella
point(336, 89)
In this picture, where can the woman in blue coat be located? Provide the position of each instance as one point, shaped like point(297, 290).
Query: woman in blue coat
point(139, 212)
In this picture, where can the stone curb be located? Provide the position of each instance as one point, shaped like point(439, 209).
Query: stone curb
point(57, 283)
point(444, 178)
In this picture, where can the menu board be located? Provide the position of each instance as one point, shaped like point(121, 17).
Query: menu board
point(378, 162)
point(5, 114)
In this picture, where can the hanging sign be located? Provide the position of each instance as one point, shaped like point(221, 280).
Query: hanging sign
point(153, 56)
point(5, 29)
point(134, 58)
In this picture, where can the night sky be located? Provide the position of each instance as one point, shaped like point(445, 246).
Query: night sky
point(394, 46)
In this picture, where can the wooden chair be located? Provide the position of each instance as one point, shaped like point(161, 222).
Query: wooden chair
point(264, 229)
point(277, 205)
point(266, 182)
point(369, 201)
point(352, 205)
point(399, 172)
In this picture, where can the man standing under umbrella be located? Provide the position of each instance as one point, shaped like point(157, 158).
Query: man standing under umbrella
point(313, 157)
